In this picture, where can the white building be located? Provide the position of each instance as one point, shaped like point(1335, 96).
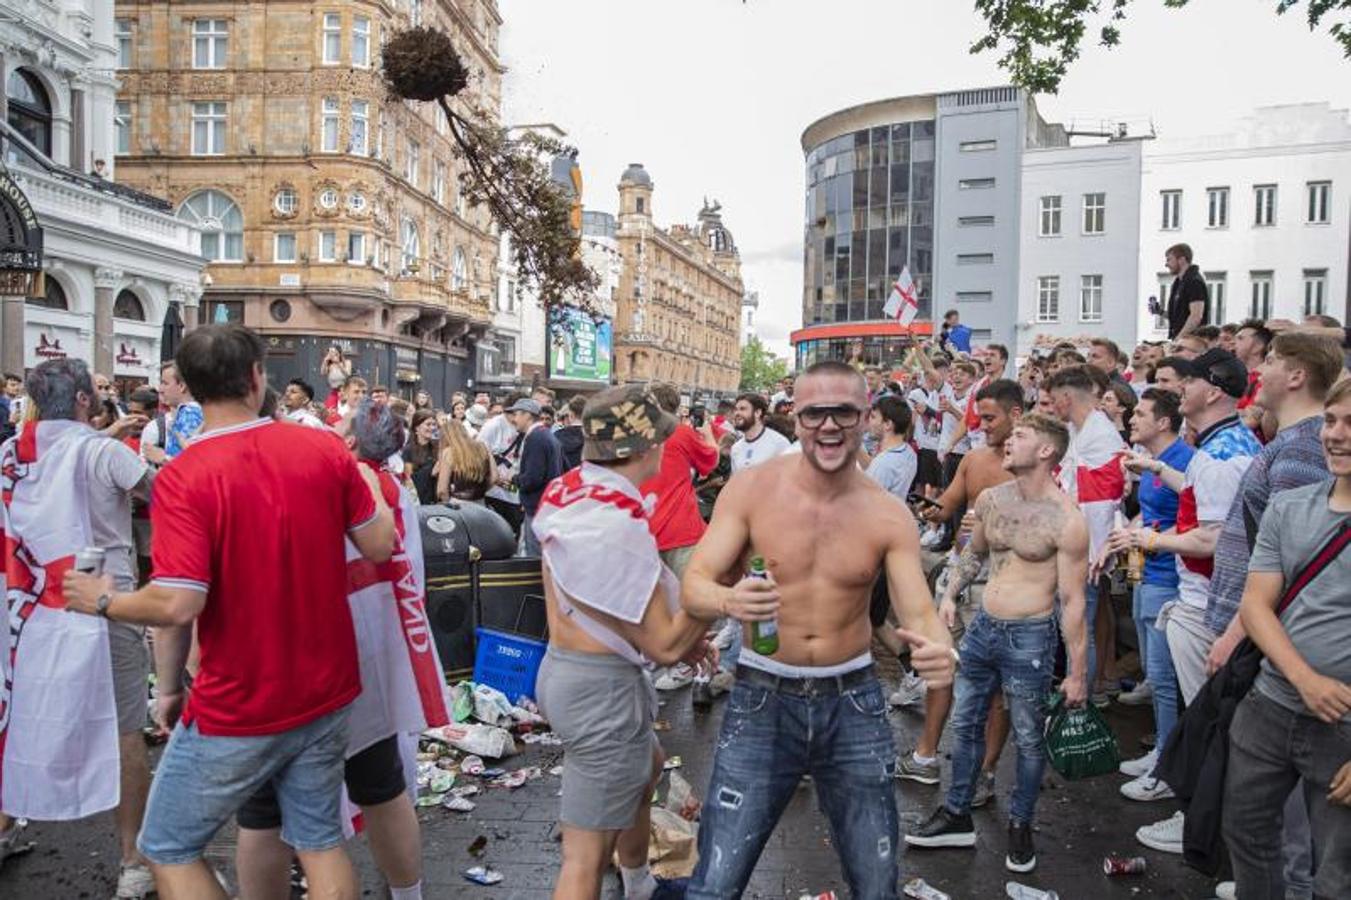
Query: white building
point(1265, 209)
point(115, 260)
point(1079, 225)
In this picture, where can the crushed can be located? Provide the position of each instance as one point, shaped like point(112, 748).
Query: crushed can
point(1124, 865)
point(920, 889)
point(90, 561)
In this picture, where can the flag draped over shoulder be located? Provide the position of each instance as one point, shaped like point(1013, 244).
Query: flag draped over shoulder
point(1091, 474)
point(58, 719)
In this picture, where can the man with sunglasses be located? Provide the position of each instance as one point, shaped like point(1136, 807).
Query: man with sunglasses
point(815, 706)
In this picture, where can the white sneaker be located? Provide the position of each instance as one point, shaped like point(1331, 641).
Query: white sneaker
point(9, 841)
point(1165, 836)
point(134, 883)
point(673, 678)
point(1146, 788)
point(1140, 695)
point(1142, 766)
point(910, 692)
point(1226, 890)
point(930, 538)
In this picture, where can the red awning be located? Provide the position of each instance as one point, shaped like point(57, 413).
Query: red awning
point(847, 330)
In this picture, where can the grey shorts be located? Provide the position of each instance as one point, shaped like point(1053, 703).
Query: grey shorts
point(602, 707)
point(131, 665)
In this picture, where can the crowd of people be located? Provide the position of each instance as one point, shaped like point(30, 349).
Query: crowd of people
point(764, 549)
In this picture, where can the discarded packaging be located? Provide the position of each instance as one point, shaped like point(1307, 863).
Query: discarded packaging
point(828, 895)
point(545, 738)
point(465, 790)
point(1124, 865)
point(480, 740)
point(458, 804)
point(483, 875)
point(462, 701)
point(1018, 891)
point(556, 771)
point(491, 706)
point(673, 850)
point(472, 765)
point(440, 781)
point(680, 799)
point(429, 800)
point(674, 762)
point(920, 889)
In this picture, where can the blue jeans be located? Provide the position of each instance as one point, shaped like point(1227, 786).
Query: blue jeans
point(1090, 625)
point(771, 738)
point(1158, 661)
point(1017, 655)
point(203, 779)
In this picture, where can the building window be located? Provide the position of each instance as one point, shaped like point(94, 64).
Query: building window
point(975, 259)
point(1320, 202)
point(30, 109)
point(1217, 282)
point(225, 312)
point(356, 202)
point(122, 38)
point(1048, 298)
point(1260, 307)
point(356, 247)
point(975, 184)
point(439, 181)
point(640, 204)
point(284, 247)
point(1095, 213)
point(1264, 196)
point(332, 39)
point(1050, 216)
point(410, 161)
point(329, 125)
point(459, 271)
point(361, 42)
point(977, 146)
point(221, 223)
point(128, 306)
point(975, 296)
point(208, 128)
point(328, 198)
point(975, 221)
point(1315, 292)
point(359, 143)
point(122, 126)
point(1090, 298)
point(285, 202)
point(328, 246)
point(53, 297)
point(209, 39)
point(412, 246)
point(1172, 210)
point(1217, 207)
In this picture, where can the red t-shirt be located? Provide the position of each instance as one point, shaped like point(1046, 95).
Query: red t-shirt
point(255, 515)
point(675, 520)
point(1250, 395)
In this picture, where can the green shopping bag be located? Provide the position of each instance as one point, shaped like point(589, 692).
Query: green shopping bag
point(1079, 742)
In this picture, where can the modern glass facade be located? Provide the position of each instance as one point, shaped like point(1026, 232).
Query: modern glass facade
point(869, 213)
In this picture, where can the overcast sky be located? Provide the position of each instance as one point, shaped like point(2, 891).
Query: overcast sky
point(712, 96)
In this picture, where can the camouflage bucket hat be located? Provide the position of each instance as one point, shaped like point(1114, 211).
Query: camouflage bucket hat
point(622, 422)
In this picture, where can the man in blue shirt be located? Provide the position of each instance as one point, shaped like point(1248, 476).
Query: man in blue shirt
point(954, 336)
point(1154, 426)
point(541, 462)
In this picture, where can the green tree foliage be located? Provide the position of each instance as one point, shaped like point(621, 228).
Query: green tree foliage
point(760, 369)
point(1039, 39)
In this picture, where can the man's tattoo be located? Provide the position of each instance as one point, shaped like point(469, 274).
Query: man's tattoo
point(965, 571)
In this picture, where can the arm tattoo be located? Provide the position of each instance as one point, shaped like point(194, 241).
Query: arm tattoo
point(965, 571)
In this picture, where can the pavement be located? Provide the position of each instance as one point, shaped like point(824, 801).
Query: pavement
point(1078, 824)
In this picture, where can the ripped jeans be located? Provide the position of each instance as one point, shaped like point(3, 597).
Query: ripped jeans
point(1017, 655)
point(770, 738)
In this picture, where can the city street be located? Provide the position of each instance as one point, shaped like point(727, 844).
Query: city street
point(1078, 825)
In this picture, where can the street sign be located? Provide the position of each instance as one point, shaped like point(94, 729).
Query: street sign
point(20, 234)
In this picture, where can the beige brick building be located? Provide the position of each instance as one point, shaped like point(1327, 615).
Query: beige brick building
point(679, 300)
point(330, 212)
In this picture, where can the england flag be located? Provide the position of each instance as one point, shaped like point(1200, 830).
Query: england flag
point(903, 304)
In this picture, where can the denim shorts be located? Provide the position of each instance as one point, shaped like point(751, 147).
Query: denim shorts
point(203, 779)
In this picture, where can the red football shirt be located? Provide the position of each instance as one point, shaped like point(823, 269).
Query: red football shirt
point(255, 515)
point(675, 520)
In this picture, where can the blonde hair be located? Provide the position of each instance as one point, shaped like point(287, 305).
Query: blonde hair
point(1051, 429)
point(1319, 356)
point(465, 466)
point(1339, 391)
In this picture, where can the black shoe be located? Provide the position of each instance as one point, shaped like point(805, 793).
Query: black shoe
point(701, 696)
point(943, 829)
point(1148, 741)
point(1022, 855)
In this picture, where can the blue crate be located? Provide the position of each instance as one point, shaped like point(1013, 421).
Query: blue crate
point(508, 662)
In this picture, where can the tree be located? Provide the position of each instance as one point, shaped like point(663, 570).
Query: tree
point(760, 369)
point(1039, 39)
point(511, 175)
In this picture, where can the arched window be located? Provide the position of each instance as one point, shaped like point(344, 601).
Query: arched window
point(412, 246)
point(30, 109)
point(221, 222)
point(54, 298)
point(459, 271)
point(128, 306)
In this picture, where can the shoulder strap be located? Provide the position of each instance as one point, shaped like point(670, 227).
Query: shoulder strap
point(1321, 560)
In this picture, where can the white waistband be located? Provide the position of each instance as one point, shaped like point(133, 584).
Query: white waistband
point(774, 667)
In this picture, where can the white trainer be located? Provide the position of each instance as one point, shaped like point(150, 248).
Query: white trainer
point(674, 678)
point(910, 692)
point(1140, 695)
point(1146, 788)
point(1226, 890)
point(1165, 836)
point(134, 883)
point(1144, 765)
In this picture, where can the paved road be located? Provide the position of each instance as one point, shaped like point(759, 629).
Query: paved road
point(1079, 824)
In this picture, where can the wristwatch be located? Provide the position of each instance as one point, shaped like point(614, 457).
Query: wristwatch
point(102, 603)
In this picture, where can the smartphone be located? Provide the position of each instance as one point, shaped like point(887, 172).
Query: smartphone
point(924, 501)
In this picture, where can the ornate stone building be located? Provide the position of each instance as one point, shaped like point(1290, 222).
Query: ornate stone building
point(330, 213)
point(678, 309)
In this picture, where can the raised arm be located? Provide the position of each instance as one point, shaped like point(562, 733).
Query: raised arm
point(1071, 564)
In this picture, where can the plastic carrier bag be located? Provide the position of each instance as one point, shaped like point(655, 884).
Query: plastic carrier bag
point(1079, 742)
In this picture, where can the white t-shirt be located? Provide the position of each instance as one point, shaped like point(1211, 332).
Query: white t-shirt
point(113, 470)
point(751, 453)
point(926, 435)
point(301, 417)
point(950, 422)
point(499, 434)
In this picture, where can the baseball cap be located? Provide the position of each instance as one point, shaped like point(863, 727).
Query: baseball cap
point(525, 405)
point(622, 422)
point(1220, 368)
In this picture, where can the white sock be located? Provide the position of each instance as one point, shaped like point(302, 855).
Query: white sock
point(412, 892)
point(638, 882)
point(924, 760)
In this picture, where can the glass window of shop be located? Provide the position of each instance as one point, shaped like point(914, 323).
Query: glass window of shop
point(886, 351)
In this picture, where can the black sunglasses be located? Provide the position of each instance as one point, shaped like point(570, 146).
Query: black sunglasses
point(814, 417)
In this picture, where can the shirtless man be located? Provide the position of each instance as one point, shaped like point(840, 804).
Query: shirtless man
point(1037, 542)
point(999, 405)
point(815, 707)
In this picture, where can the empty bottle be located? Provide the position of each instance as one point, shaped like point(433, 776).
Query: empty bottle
point(1018, 891)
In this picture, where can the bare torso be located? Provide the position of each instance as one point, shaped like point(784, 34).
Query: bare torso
point(1024, 538)
point(984, 469)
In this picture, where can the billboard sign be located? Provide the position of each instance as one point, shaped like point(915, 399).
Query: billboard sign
point(580, 347)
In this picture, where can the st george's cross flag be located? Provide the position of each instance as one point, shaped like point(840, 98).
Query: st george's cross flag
point(58, 719)
point(903, 304)
point(403, 688)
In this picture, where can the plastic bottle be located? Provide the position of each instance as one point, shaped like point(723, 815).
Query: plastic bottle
point(764, 635)
point(1018, 891)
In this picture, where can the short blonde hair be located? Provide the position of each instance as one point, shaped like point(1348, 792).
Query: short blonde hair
point(1339, 392)
point(1320, 357)
point(1051, 429)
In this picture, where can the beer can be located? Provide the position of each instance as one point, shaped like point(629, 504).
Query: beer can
point(1124, 865)
point(90, 560)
